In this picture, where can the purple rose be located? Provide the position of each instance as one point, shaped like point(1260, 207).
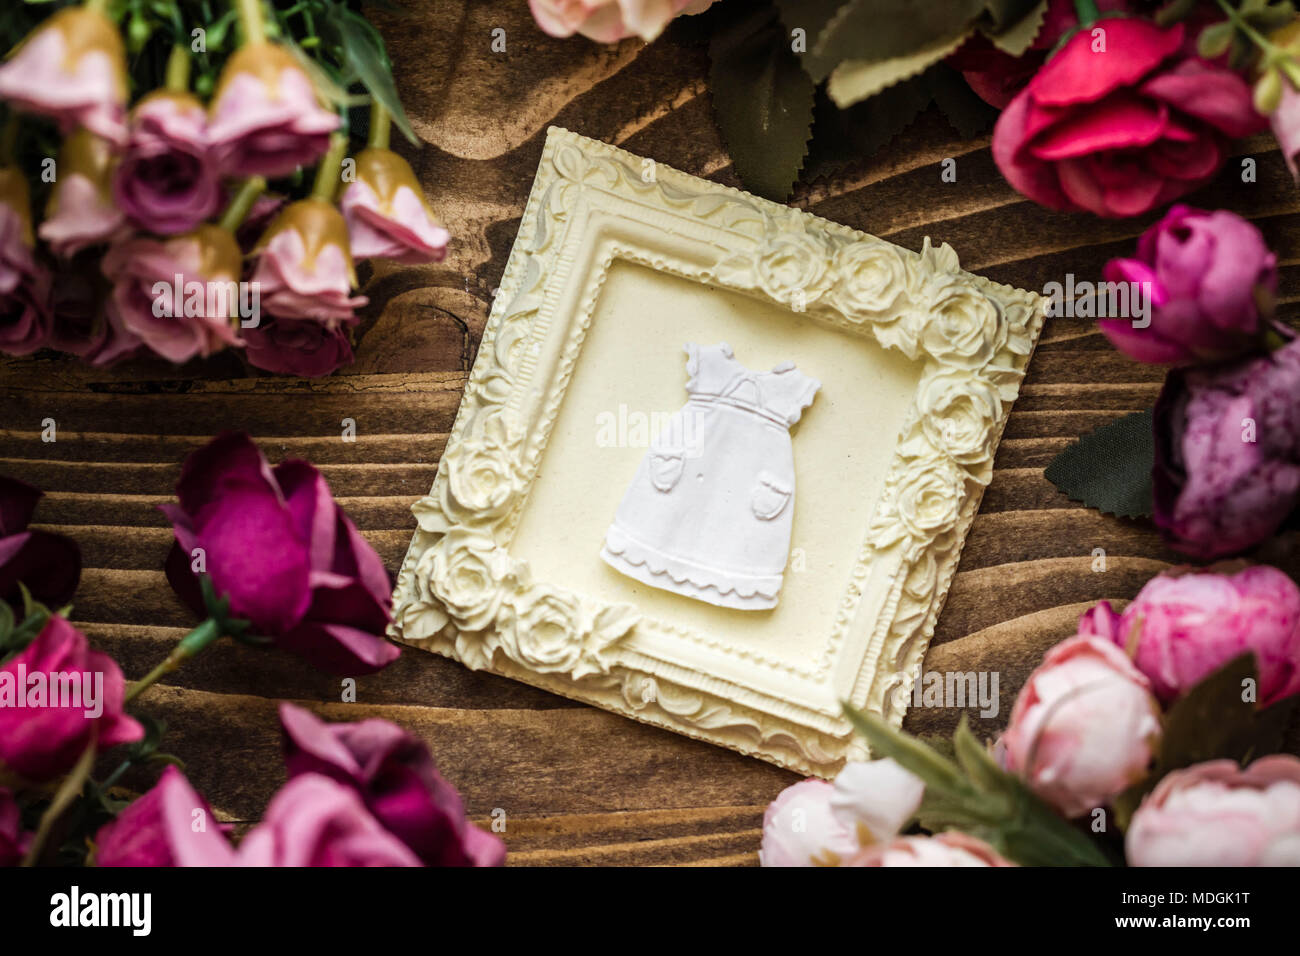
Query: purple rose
point(1212, 280)
point(13, 842)
point(41, 743)
point(48, 564)
point(395, 776)
point(81, 211)
point(277, 545)
point(168, 182)
point(162, 828)
point(298, 347)
point(24, 283)
point(1227, 457)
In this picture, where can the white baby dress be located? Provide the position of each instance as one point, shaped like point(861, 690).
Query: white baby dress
point(708, 514)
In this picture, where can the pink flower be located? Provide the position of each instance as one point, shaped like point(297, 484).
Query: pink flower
point(298, 347)
point(24, 283)
point(205, 265)
point(81, 211)
point(72, 68)
point(946, 849)
point(395, 776)
point(265, 118)
point(1285, 121)
point(1122, 130)
point(279, 547)
point(1217, 814)
point(387, 215)
point(304, 269)
point(39, 743)
point(13, 841)
point(1213, 282)
point(168, 182)
point(170, 825)
point(608, 21)
point(1084, 727)
point(46, 563)
point(1183, 626)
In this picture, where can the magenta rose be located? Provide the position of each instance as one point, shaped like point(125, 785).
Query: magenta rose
point(39, 743)
point(395, 776)
point(1084, 726)
point(1227, 453)
point(1125, 129)
point(1218, 814)
point(13, 841)
point(1183, 626)
point(170, 825)
point(47, 564)
point(298, 347)
point(168, 181)
point(24, 282)
point(387, 215)
point(304, 265)
point(289, 560)
point(1213, 281)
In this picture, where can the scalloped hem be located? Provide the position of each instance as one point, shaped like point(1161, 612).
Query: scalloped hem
point(643, 563)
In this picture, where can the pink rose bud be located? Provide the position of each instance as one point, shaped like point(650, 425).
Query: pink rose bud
point(386, 212)
point(180, 296)
point(24, 282)
point(1084, 727)
point(302, 347)
point(1285, 121)
point(1217, 814)
point(1183, 626)
point(71, 68)
point(168, 181)
point(879, 797)
point(170, 825)
point(81, 211)
point(608, 21)
point(304, 266)
point(947, 849)
point(40, 743)
point(265, 118)
point(1213, 282)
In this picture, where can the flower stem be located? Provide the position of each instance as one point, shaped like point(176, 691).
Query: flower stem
point(63, 797)
point(1277, 335)
point(1249, 32)
point(193, 642)
point(251, 21)
point(1087, 12)
point(381, 125)
point(327, 173)
point(99, 6)
point(239, 207)
point(178, 69)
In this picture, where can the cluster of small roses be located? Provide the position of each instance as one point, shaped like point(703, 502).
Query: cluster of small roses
point(1087, 727)
point(158, 235)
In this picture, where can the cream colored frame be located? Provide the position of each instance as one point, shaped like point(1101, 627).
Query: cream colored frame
point(461, 593)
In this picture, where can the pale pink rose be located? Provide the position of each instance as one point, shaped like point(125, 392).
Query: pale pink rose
point(387, 215)
point(946, 849)
point(71, 68)
point(1217, 814)
point(877, 796)
point(304, 266)
point(81, 211)
point(608, 21)
point(24, 282)
point(265, 118)
point(1084, 727)
point(1285, 121)
point(168, 180)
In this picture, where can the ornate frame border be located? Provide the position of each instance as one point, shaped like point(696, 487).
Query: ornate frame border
point(461, 593)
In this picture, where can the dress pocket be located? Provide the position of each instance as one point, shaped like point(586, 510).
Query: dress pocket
point(770, 496)
point(666, 469)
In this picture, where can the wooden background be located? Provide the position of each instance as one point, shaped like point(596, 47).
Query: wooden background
point(577, 785)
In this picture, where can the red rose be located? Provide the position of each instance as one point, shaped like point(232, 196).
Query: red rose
point(1121, 122)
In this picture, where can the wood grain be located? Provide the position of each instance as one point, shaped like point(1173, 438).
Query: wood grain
point(576, 785)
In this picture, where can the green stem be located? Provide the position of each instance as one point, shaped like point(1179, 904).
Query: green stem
point(193, 642)
point(251, 20)
point(1087, 12)
point(99, 6)
point(177, 78)
point(381, 125)
point(327, 173)
point(63, 798)
point(1255, 37)
point(1275, 337)
point(240, 206)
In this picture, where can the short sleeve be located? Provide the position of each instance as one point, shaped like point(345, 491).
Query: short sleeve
point(803, 390)
point(707, 366)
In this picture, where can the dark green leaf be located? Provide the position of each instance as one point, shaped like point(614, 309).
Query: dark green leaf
point(1109, 469)
point(1175, 10)
point(911, 754)
point(882, 29)
point(965, 111)
point(363, 49)
point(845, 136)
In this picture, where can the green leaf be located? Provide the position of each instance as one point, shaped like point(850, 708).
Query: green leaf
point(856, 80)
point(874, 30)
point(845, 136)
point(965, 111)
point(363, 50)
point(1109, 469)
point(911, 754)
point(1017, 37)
point(763, 101)
point(1215, 40)
point(1175, 10)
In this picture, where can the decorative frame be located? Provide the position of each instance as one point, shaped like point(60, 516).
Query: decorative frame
point(460, 591)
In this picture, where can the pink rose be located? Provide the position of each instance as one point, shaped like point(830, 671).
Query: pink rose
point(304, 266)
point(946, 849)
point(608, 21)
point(1084, 727)
point(1285, 121)
point(71, 68)
point(24, 283)
point(1183, 626)
point(39, 743)
point(202, 319)
point(265, 118)
point(1217, 814)
point(170, 825)
point(13, 841)
point(297, 347)
point(395, 776)
point(168, 182)
point(387, 215)
point(1123, 131)
point(81, 211)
